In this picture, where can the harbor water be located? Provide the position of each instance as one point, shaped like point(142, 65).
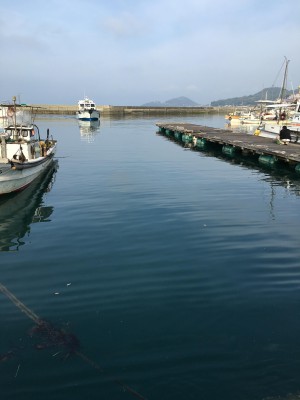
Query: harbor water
point(177, 271)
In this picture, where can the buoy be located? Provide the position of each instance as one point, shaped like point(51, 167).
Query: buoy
point(201, 143)
point(177, 135)
point(267, 160)
point(228, 150)
point(187, 138)
point(297, 168)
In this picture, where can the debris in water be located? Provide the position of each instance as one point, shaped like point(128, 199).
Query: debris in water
point(57, 337)
point(7, 356)
point(54, 337)
point(17, 370)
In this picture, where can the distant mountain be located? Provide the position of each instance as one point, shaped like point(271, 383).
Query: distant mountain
point(271, 93)
point(177, 102)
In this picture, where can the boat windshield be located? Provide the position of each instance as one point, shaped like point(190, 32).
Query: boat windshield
point(20, 132)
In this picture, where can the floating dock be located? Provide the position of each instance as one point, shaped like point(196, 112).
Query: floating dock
point(266, 150)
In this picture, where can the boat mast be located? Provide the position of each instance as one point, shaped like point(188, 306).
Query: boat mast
point(15, 117)
point(283, 87)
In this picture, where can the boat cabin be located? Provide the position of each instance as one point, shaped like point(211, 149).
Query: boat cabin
point(17, 141)
point(86, 104)
point(19, 133)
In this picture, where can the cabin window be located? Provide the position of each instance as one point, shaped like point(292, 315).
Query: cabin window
point(92, 105)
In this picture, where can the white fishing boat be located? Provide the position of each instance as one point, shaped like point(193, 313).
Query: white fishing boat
point(272, 129)
point(87, 110)
point(23, 156)
point(18, 211)
point(238, 115)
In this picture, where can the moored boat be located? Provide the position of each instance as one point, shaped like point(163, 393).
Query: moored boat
point(19, 210)
point(279, 112)
point(272, 129)
point(23, 156)
point(87, 110)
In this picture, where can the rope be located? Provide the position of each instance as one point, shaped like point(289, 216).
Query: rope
point(19, 304)
point(115, 380)
point(41, 323)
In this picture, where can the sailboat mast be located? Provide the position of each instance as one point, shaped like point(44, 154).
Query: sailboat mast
point(15, 117)
point(283, 87)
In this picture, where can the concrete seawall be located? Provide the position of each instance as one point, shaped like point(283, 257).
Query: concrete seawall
point(125, 110)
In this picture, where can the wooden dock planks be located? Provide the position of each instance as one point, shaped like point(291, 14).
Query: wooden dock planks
point(254, 144)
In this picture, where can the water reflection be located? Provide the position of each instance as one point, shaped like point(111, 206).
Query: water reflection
point(280, 175)
point(277, 175)
point(242, 128)
point(88, 129)
point(19, 211)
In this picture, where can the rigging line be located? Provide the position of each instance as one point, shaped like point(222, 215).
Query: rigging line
point(32, 315)
point(278, 73)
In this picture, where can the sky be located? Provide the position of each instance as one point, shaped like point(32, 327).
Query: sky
point(130, 52)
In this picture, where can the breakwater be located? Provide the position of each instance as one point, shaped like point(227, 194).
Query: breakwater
point(127, 110)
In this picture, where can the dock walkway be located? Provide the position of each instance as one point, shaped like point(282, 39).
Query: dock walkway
point(267, 150)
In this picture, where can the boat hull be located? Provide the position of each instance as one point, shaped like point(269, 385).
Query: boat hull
point(275, 128)
point(88, 119)
point(14, 180)
point(88, 115)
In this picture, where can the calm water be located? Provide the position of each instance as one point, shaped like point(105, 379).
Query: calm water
point(177, 270)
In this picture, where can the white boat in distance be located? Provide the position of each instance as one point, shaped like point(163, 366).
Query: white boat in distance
point(87, 110)
point(23, 156)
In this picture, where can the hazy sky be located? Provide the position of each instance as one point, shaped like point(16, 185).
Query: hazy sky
point(129, 52)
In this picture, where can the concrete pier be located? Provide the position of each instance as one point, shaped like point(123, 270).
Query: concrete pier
point(125, 110)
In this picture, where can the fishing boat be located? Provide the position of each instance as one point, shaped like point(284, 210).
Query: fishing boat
point(18, 211)
point(87, 110)
point(292, 121)
point(23, 156)
point(273, 130)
